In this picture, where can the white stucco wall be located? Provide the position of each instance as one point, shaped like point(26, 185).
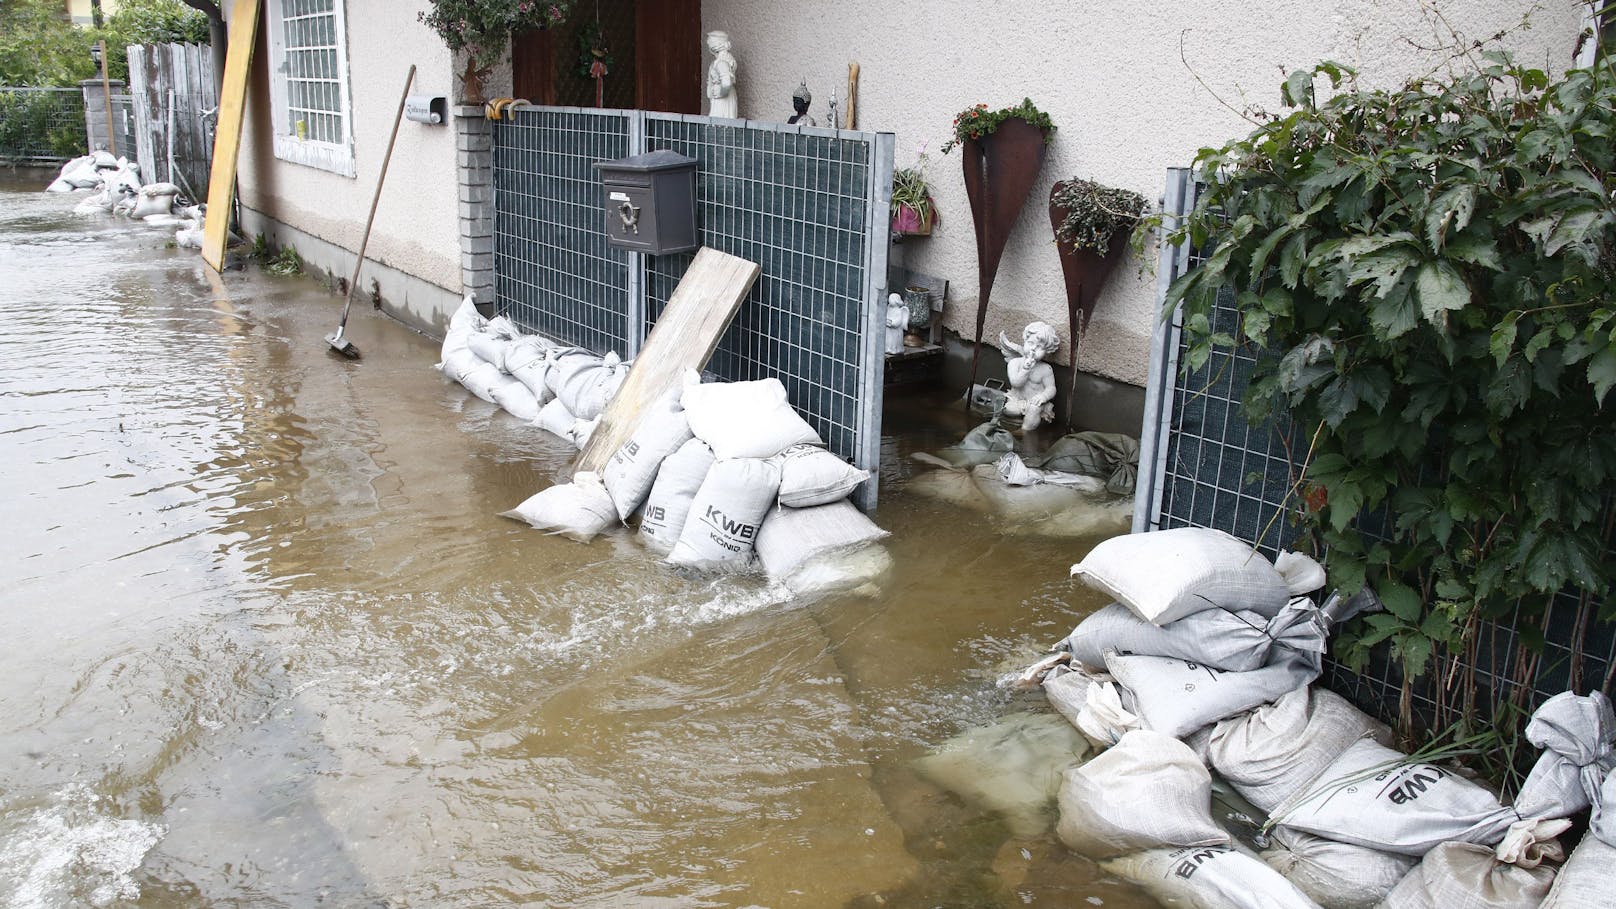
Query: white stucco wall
point(417, 222)
point(1133, 87)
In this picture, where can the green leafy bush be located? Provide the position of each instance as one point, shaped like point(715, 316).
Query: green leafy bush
point(40, 124)
point(1426, 274)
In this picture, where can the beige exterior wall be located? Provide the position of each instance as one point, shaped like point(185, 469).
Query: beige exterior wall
point(417, 222)
point(1134, 88)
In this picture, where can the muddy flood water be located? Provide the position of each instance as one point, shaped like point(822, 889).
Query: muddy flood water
point(265, 642)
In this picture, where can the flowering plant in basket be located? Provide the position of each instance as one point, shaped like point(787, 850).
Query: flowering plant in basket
point(976, 122)
point(482, 28)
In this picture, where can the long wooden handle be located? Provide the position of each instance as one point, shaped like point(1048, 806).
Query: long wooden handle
point(852, 95)
point(377, 198)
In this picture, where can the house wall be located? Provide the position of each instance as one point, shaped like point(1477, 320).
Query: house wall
point(1134, 88)
point(416, 235)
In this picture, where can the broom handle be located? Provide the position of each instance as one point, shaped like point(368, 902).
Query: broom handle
point(387, 158)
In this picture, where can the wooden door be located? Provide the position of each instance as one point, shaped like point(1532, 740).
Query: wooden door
point(655, 47)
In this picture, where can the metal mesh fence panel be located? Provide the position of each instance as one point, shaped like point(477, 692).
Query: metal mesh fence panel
point(41, 124)
point(1206, 465)
point(554, 273)
point(799, 204)
point(808, 205)
point(123, 128)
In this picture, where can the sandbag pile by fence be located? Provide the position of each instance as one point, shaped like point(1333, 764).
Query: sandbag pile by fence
point(717, 476)
point(114, 186)
point(1200, 676)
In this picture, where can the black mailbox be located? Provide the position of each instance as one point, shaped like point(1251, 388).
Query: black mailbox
point(651, 202)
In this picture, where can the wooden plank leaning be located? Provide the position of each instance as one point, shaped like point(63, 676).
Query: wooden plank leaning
point(227, 140)
point(684, 337)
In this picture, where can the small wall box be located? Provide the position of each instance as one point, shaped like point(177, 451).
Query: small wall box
point(426, 108)
point(651, 202)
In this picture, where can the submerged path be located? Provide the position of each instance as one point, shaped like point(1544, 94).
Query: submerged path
point(265, 642)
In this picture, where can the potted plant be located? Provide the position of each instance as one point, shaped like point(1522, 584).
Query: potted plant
point(1003, 150)
point(1089, 220)
point(482, 28)
point(913, 213)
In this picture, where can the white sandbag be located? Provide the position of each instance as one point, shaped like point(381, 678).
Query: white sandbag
point(483, 380)
point(1576, 734)
point(155, 199)
point(858, 572)
point(488, 348)
point(188, 238)
point(515, 399)
point(580, 509)
point(721, 529)
point(1278, 749)
point(555, 419)
point(1231, 641)
point(528, 361)
point(503, 328)
point(125, 179)
point(1021, 505)
point(1584, 881)
point(1603, 821)
point(1377, 797)
point(1012, 767)
point(1335, 875)
point(1169, 574)
point(1467, 876)
point(955, 488)
point(60, 185)
point(1092, 703)
point(746, 419)
point(1091, 518)
point(102, 159)
point(466, 317)
point(668, 504)
point(792, 537)
point(632, 469)
point(810, 475)
point(984, 444)
point(1223, 876)
point(581, 431)
point(1177, 697)
point(1148, 791)
point(97, 202)
point(459, 364)
point(587, 386)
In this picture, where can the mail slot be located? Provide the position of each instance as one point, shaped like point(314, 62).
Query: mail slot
point(650, 202)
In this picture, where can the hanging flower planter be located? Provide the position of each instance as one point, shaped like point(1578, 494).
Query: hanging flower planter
point(1003, 151)
point(1091, 223)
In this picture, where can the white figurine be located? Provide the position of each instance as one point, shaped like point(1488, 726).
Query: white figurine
point(1032, 381)
point(723, 98)
point(897, 321)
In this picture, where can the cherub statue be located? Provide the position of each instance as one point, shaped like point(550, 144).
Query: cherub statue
point(897, 321)
point(723, 98)
point(1032, 381)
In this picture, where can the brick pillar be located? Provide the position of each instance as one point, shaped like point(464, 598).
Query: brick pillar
point(96, 128)
point(474, 154)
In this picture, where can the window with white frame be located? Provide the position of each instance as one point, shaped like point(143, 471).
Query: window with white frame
point(309, 84)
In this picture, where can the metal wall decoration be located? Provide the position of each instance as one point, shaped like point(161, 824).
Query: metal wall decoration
point(1085, 271)
point(1000, 170)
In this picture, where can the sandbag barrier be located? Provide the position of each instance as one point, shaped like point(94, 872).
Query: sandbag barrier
point(719, 476)
point(114, 187)
point(1198, 681)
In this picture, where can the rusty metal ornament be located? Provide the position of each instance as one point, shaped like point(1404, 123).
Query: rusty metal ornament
point(1085, 271)
point(1000, 170)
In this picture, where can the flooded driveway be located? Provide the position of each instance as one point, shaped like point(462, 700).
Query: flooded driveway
point(265, 642)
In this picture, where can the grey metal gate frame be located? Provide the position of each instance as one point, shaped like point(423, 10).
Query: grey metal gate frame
point(808, 204)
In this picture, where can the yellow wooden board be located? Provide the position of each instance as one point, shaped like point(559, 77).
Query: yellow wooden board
point(684, 337)
point(227, 135)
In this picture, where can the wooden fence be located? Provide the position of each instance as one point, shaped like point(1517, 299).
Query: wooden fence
point(174, 98)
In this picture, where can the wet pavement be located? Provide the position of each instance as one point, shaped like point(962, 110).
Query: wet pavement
point(267, 644)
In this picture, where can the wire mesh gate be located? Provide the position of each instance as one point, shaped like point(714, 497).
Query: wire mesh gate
point(1203, 464)
point(808, 205)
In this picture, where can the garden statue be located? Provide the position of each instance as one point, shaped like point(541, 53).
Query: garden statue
point(898, 320)
point(800, 99)
point(723, 98)
point(1032, 381)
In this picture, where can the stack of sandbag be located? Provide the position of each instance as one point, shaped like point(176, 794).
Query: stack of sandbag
point(1204, 628)
point(86, 172)
point(1578, 735)
point(497, 362)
